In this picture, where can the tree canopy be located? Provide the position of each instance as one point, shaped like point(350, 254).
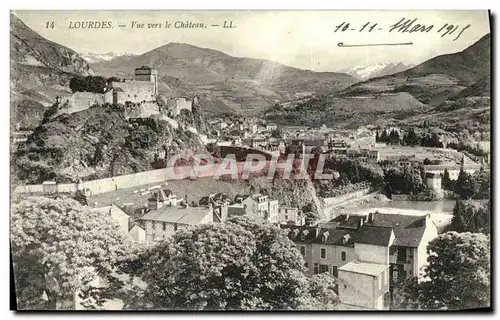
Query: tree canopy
point(457, 277)
point(471, 216)
point(242, 264)
point(60, 248)
point(406, 181)
point(95, 84)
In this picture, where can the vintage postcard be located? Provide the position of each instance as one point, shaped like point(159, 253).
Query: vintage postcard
point(250, 160)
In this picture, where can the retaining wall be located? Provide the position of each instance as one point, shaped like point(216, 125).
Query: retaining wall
point(331, 202)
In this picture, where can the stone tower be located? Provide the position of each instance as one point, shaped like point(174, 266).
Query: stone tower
point(146, 73)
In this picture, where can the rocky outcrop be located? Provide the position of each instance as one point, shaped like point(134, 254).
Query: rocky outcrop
point(98, 142)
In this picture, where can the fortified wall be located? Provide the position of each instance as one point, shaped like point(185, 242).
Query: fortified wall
point(80, 101)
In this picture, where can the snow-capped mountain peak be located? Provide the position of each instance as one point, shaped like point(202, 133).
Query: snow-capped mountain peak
point(376, 70)
point(91, 57)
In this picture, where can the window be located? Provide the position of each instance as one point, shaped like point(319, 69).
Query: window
point(343, 256)
point(316, 270)
point(401, 254)
point(323, 268)
point(164, 226)
point(345, 286)
point(286, 218)
point(323, 253)
point(306, 265)
point(335, 271)
point(303, 250)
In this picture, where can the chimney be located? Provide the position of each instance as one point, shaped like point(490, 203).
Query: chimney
point(346, 217)
point(360, 224)
point(371, 216)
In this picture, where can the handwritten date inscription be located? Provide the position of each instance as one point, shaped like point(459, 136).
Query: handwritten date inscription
point(406, 26)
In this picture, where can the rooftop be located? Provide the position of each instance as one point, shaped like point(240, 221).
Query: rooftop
point(113, 210)
point(374, 235)
point(314, 234)
point(181, 215)
point(408, 229)
point(371, 269)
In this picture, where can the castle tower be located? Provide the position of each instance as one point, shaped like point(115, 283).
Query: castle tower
point(146, 73)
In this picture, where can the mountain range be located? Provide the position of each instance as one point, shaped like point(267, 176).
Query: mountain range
point(435, 80)
point(450, 91)
point(376, 70)
point(100, 57)
point(40, 70)
point(225, 83)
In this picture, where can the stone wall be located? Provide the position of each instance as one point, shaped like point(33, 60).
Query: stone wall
point(135, 91)
point(176, 105)
point(79, 101)
point(331, 202)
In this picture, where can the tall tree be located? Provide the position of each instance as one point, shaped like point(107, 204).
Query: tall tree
point(446, 181)
point(471, 216)
point(464, 186)
point(60, 248)
point(457, 277)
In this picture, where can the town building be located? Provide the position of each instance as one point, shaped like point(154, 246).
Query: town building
point(433, 181)
point(137, 233)
point(361, 250)
point(20, 136)
point(258, 143)
point(120, 217)
point(315, 145)
point(271, 127)
point(276, 145)
point(291, 215)
point(167, 214)
point(363, 286)
point(256, 205)
point(325, 249)
point(164, 222)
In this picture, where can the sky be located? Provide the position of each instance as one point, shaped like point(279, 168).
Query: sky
point(302, 39)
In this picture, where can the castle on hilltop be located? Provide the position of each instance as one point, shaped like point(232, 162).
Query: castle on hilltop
point(141, 91)
point(143, 88)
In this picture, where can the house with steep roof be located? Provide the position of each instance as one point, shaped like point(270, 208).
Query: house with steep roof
point(165, 221)
point(117, 214)
point(323, 249)
point(137, 233)
point(394, 245)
